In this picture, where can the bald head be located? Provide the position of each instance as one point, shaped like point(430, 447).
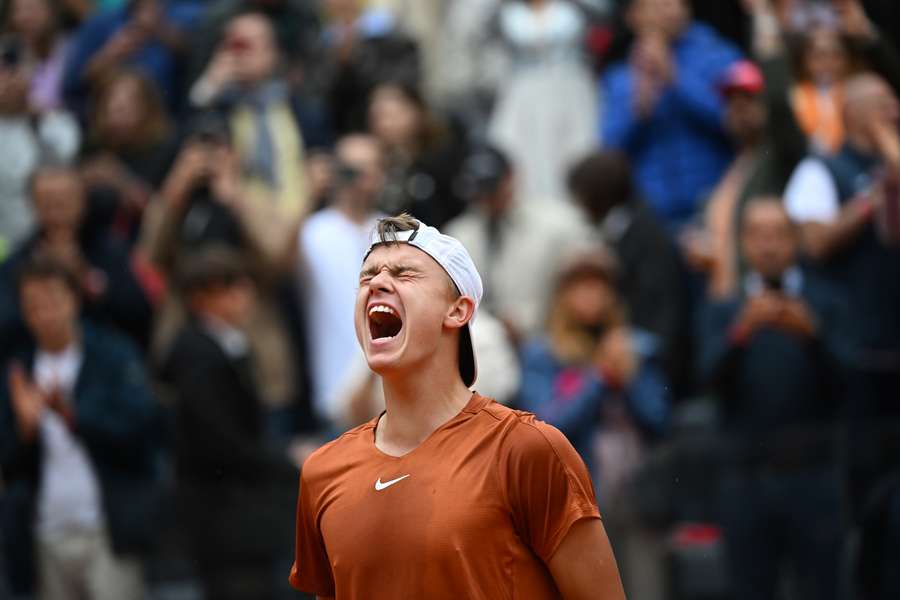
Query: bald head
point(869, 101)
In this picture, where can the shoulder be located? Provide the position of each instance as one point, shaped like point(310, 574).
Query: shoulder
point(617, 73)
point(706, 37)
point(333, 457)
point(821, 293)
point(112, 355)
point(531, 442)
point(537, 349)
point(101, 339)
point(192, 339)
point(191, 351)
point(526, 437)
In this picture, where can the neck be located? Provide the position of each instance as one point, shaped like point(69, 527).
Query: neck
point(60, 342)
point(417, 404)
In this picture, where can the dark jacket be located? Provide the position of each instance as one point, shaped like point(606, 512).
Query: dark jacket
point(232, 484)
point(651, 269)
point(779, 392)
point(866, 270)
point(118, 421)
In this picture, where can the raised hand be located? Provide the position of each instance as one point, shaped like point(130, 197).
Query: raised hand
point(27, 402)
point(615, 357)
point(853, 18)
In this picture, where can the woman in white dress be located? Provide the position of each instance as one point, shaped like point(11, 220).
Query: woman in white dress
point(546, 112)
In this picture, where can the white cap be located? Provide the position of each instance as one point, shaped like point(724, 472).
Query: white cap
point(448, 252)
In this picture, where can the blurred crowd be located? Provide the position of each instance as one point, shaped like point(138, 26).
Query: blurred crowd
point(686, 214)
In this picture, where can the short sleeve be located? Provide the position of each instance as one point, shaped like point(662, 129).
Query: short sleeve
point(311, 571)
point(811, 194)
point(548, 486)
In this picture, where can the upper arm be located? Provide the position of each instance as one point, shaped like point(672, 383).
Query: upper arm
point(583, 566)
point(547, 485)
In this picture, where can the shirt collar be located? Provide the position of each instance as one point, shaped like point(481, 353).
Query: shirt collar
point(791, 283)
point(232, 340)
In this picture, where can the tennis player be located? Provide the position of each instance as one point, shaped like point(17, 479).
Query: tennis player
point(447, 494)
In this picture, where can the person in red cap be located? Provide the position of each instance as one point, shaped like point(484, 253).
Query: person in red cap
point(447, 494)
point(769, 144)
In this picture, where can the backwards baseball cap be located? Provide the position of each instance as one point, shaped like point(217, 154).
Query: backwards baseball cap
point(452, 256)
point(742, 76)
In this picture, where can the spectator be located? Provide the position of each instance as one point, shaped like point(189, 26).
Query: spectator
point(425, 23)
point(296, 24)
point(362, 48)
point(202, 204)
point(772, 352)
point(550, 89)
point(467, 85)
point(651, 278)
point(828, 54)
point(843, 205)
point(769, 143)
point(146, 34)
point(423, 155)
point(79, 449)
point(246, 80)
point(333, 243)
point(130, 147)
point(110, 288)
point(43, 45)
point(30, 137)
point(663, 110)
point(817, 96)
point(234, 489)
point(515, 244)
point(591, 371)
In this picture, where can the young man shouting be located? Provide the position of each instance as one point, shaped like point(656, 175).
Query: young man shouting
point(447, 494)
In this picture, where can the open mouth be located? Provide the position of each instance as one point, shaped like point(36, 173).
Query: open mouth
point(384, 323)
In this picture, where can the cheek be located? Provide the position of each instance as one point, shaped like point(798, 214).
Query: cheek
point(359, 319)
point(424, 314)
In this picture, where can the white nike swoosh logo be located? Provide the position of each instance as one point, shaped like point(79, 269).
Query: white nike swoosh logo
point(380, 486)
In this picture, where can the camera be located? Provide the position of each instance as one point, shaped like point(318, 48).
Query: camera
point(10, 52)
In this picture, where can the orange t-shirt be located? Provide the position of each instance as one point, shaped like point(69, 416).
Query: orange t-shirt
point(473, 512)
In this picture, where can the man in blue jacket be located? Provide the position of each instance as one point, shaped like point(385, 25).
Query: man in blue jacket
point(78, 450)
point(662, 107)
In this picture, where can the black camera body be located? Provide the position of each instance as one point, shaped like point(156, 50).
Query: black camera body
point(10, 52)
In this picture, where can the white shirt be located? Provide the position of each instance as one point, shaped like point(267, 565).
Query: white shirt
point(811, 194)
point(70, 490)
point(332, 249)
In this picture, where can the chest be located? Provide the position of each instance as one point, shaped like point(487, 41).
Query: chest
point(415, 513)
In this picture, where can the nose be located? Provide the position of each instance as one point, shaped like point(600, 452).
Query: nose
point(381, 282)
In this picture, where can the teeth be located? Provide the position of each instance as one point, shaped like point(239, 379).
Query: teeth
point(382, 308)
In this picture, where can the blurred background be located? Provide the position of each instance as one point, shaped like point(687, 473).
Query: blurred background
point(686, 214)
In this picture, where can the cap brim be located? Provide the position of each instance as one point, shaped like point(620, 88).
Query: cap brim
point(468, 367)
